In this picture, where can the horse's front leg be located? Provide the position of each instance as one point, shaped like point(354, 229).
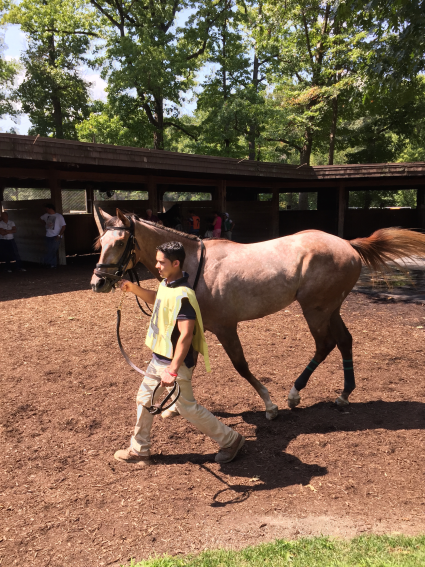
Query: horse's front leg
point(229, 338)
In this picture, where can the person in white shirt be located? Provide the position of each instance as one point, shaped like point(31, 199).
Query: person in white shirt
point(55, 227)
point(8, 248)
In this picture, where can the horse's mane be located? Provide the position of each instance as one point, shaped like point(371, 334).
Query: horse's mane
point(114, 220)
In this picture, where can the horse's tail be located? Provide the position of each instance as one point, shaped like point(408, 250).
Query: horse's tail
point(389, 245)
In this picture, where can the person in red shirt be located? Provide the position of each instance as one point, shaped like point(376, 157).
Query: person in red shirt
point(217, 225)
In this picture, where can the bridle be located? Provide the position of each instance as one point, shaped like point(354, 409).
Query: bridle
point(129, 255)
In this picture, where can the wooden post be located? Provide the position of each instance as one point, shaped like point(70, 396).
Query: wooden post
point(420, 205)
point(152, 194)
point(56, 198)
point(275, 213)
point(221, 196)
point(89, 198)
point(342, 206)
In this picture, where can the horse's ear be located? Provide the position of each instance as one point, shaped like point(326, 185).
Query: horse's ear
point(101, 218)
point(123, 218)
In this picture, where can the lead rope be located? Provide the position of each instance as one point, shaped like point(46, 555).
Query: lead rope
point(157, 408)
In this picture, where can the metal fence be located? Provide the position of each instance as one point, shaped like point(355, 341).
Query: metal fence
point(74, 201)
point(25, 194)
point(121, 195)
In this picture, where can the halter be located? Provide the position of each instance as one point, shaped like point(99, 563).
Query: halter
point(128, 255)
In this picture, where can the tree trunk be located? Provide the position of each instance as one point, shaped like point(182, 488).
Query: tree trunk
point(158, 136)
point(333, 131)
point(56, 103)
point(253, 126)
point(305, 153)
point(57, 116)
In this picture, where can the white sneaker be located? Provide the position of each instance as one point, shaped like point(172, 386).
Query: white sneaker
point(22, 270)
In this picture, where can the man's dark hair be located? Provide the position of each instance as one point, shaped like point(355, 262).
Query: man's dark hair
point(173, 251)
point(50, 206)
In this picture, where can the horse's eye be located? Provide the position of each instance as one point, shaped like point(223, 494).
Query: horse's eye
point(121, 244)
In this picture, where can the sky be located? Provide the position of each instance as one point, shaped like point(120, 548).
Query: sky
point(15, 43)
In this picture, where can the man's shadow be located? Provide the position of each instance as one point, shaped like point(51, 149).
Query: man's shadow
point(264, 462)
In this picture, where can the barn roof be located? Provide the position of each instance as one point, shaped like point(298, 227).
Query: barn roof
point(33, 153)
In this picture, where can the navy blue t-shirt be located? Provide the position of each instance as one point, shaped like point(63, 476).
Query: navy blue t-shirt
point(186, 312)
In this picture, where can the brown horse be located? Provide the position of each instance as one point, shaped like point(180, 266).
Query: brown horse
point(240, 282)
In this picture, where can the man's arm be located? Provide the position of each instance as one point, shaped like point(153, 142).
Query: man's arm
point(62, 230)
point(146, 294)
point(186, 327)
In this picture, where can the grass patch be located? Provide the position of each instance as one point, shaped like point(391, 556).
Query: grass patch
point(363, 551)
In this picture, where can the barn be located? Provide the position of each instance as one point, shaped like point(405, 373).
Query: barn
point(78, 176)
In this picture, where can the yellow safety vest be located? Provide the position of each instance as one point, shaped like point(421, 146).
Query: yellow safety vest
point(164, 318)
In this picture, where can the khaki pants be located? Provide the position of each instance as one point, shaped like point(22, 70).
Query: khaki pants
point(187, 406)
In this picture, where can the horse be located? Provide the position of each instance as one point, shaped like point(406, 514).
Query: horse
point(241, 282)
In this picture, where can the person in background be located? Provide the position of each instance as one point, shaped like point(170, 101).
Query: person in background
point(228, 226)
point(194, 223)
point(8, 248)
point(150, 216)
point(217, 225)
point(55, 227)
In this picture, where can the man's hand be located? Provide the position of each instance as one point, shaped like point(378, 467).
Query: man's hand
point(167, 380)
point(125, 285)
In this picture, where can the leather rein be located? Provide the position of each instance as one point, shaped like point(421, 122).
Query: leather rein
point(129, 255)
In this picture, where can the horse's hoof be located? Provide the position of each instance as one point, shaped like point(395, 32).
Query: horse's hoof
point(273, 413)
point(340, 401)
point(294, 402)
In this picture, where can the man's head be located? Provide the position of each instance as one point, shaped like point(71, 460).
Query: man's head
point(170, 258)
point(4, 216)
point(50, 208)
point(149, 213)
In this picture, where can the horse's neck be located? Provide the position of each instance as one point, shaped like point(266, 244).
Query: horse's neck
point(149, 238)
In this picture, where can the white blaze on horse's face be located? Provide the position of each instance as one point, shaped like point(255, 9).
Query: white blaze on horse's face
point(113, 245)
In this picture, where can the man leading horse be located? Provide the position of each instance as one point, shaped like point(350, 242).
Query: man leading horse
point(175, 336)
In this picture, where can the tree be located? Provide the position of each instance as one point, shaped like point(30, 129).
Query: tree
point(123, 128)
point(8, 73)
point(149, 61)
point(384, 121)
point(53, 93)
point(319, 49)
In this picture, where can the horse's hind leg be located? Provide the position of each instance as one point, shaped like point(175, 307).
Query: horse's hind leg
point(345, 345)
point(229, 338)
point(319, 325)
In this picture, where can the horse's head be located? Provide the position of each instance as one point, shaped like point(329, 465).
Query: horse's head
point(117, 245)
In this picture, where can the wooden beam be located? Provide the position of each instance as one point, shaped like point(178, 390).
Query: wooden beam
point(220, 196)
point(89, 198)
point(152, 194)
point(420, 205)
point(56, 198)
point(342, 207)
point(275, 214)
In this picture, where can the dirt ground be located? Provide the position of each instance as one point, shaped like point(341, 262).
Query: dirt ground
point(68, 402)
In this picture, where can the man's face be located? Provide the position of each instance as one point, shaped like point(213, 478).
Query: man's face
point(50, 211)
point(164, 266)
point(4, 217)
point(149, 212)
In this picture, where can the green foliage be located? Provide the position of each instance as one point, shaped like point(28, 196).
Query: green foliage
point(186, 196)
point(381, 198)
point(106, 125)
point(8, 73)
point(53, 93)
point(364, 551)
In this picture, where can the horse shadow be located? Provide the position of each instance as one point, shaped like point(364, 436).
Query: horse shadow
point(265, 463)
